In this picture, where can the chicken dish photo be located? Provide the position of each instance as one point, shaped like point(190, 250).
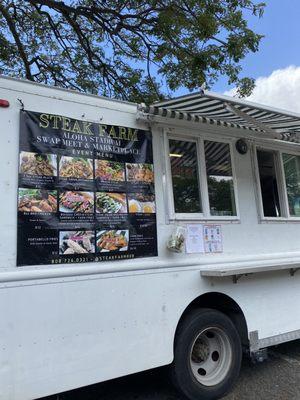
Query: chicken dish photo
point(37, 200)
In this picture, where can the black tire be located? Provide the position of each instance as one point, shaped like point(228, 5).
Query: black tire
point(207, 322)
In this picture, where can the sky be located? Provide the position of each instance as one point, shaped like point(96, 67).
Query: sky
point(276, 66)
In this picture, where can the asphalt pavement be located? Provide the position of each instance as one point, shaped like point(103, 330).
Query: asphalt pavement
point(277, 378)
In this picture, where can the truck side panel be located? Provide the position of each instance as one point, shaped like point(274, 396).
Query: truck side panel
point(65, 333)
point(60, 329)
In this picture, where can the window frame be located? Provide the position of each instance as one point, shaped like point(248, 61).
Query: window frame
point(202, 178)
point(281, 182)
point(290, 217)
point(173, 214)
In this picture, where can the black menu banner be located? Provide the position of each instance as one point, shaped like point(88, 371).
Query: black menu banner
point(86, 191)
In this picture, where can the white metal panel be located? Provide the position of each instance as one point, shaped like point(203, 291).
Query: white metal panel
point(67, 333)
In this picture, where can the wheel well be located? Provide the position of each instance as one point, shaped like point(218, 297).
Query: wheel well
point(221, 302)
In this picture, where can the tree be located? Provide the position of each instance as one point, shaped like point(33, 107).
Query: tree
point(116, 48)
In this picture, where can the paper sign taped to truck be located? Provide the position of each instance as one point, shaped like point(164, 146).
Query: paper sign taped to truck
point(86, 191)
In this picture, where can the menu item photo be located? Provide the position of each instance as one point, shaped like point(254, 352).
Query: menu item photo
point(75, 167)
point(38, 164)
point(141, 203)
point(76, 202)
point(76, 242)
point(109, 170)
point(111, 203)
point(112, 240)
point(140, 173)
point(37, 200)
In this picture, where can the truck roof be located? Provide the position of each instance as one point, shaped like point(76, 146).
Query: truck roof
point(51, 87)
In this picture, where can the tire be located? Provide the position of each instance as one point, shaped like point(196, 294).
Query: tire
point(207, 355)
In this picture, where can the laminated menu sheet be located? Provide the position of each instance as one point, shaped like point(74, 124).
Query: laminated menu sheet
point(204, 238)
point(194, 239)
point(212, 235)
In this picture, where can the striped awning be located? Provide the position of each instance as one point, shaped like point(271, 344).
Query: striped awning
point(228, 111)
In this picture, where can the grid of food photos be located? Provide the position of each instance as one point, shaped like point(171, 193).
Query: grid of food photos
point(69, 203)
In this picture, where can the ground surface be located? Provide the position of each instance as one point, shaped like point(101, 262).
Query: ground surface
point(278, 378)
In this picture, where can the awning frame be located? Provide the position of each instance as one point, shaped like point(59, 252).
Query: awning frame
point(258, 120)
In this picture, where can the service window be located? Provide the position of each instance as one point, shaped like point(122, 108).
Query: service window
point(201, 180)
point(185, 176)
point(219, 179)
point(268, 183)
point(279, 178)
point(291, 165)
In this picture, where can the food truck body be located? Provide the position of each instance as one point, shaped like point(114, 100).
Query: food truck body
point(83, 301)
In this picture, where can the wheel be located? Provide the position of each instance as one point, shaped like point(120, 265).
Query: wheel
point(207, 355)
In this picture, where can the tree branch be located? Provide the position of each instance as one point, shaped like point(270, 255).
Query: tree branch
point(18, 42)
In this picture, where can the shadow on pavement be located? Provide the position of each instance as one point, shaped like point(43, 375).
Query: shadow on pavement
point(278, 378)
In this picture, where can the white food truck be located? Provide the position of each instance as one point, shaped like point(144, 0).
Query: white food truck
point(138, 236)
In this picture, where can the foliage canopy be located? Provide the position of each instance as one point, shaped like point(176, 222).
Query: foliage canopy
point(117, 48)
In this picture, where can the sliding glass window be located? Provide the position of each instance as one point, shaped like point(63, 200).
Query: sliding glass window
point(291, 165)
point(185, 176)
point(219, 179)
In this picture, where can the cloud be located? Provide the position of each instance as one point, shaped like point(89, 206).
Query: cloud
point(281, 89)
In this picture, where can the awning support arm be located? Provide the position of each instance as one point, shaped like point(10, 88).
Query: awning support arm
point(267, 130)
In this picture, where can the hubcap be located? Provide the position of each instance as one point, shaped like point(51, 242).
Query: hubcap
point(211, 356)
